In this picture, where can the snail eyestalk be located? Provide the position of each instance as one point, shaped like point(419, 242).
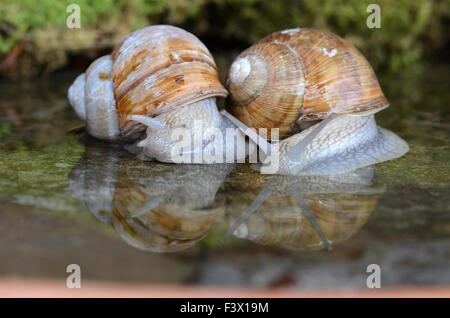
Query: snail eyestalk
point(151, 123)
point(262, 143)
point(295, 153)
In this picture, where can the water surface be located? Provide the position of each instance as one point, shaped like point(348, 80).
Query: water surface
point(67, 198)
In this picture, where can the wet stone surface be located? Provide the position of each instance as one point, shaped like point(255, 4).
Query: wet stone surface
point(67, 198)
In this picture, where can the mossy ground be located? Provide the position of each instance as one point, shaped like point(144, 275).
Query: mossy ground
point(35, 32)
point(39, 177)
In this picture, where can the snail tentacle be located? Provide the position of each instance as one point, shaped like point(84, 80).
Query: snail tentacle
point(295, 153)
point(261, 142)
point(151, 123)
point(265, 193)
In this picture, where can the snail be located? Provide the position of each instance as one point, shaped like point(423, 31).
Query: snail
point(160, 78)
point(306, 212)
point(298, 77)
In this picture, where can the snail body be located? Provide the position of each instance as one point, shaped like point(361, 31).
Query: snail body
point(300, 76)
point(153, 73)
point(342, 144)
point(194, 134)
point(348, 142)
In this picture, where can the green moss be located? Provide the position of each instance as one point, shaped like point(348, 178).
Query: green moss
point(25, 15)
point(39, 27)
point(215, 235)
point(409, 29)
point(6, 130)
point(397, 44)
point(423, 166)
point(39, 178)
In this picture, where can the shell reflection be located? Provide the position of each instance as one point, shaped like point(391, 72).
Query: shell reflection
point(153, 206)
point(161, 207)
point(303, 213)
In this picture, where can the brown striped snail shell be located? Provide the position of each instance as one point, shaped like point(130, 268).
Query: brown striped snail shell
point(154, 70)
point(301, 75)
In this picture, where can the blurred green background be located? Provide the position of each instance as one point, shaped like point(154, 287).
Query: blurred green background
point(34, 39)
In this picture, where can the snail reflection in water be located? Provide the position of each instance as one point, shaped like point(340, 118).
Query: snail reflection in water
point(304, 213)
point(153, 206)
point(165, 208)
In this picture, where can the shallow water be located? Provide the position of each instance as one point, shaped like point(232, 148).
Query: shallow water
point(66, 198)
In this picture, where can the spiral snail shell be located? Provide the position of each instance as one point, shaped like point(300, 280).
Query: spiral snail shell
point(153, 71)
point(301, 75)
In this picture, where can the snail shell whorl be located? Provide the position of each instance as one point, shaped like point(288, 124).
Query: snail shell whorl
point(91, 96)
point(158, 68)
point(310, 74)
point(101, 115)
point(264, 97)
point(76, 96)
